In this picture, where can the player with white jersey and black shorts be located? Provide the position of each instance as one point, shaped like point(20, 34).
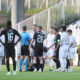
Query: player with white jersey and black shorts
point(9, 45)
point(72, 49)
point(38, 49)
point(50, 52)
point(64, 46)
point(1, 48)
point(34, 27)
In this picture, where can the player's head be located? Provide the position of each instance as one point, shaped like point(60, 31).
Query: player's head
point(39, 28)
point(69, 31)
point(55, 31)
point(9, 24)
point(51, 29)
point(63, 29)
point(24, 28)
point(34, 27)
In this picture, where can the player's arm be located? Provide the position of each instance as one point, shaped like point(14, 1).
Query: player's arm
point(34, 37)
point(19, 37)
point(2, 33)
point(51, 46)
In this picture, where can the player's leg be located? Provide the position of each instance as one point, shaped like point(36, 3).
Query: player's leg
point(72, 52)
point(41, 64)
point(17, 62)
point(1, 62)
point(26, 61)
point(35, 63)
point(61, 52)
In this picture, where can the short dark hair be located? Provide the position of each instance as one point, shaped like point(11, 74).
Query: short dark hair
point(35, 25)
point(56, 29)
point(69, 30)
point(64, 28)
point(9, 24)
point(40, 27)
point(24, 28)
point(52, 27)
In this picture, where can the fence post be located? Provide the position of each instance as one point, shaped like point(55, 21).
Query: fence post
point(0, 5)
point(34, 22)
point(63, 13)
point(49, 19)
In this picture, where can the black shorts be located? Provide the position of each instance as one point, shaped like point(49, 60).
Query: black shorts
point(25, 50)
point(38, 51)
point(9, 51)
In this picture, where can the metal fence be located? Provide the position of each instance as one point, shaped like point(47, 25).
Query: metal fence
point(52, 16)
point(60, 14)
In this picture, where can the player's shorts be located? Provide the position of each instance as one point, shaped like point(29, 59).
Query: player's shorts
point(38, 51)
point(25, 50)
point(71, 53)
point(50, 52)
point(10, 50)
point(31, 52)
point(63, 52)
point(2, 51)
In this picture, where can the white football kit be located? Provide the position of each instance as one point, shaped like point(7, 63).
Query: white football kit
point(72, 50)
point(31, 49)
point(1, 46)
point(63, 52)
point(50, 40)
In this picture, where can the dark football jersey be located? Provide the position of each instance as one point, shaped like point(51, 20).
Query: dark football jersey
point(39, 38)
point(57, 39)
point(9, 35)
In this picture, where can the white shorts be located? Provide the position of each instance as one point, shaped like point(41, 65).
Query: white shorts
point(50, 52)
point(1, 51)
point(63, 52)
point(44, 54)
point(31, 52)
point(71, 53)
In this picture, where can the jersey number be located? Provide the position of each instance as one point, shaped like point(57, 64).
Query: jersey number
point(10, 37)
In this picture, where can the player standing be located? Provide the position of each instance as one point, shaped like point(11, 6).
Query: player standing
point(25, 42)
point(72, 51)
point(63, 52)
point(34, 27)
point(51, 47)
point(57, 46)
point(9, 45)
point(1, 48)
point(38, 50)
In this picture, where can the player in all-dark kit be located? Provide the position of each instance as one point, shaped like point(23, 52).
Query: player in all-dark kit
point(9, 45)
point(57, 46)
point(38, 50)
point(25, 52)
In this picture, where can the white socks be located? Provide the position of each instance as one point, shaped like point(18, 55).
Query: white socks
point(51, 64)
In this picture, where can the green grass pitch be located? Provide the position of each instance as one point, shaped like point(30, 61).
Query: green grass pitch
point(47, 75)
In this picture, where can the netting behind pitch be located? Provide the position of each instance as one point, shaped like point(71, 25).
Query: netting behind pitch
point(47, 18)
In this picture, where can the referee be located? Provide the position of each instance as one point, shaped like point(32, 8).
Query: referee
point(25, 42)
